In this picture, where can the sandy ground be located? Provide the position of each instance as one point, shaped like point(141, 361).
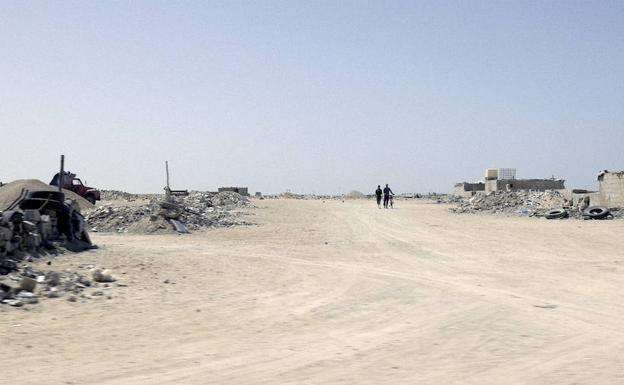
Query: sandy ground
point(338, 293)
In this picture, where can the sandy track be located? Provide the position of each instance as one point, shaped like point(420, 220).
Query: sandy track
point(339, 293)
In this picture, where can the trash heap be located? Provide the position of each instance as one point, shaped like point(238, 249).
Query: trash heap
point(195, 211)
point(29, 285)
point(111, 195)
point(523, 203)
point(289, 195)
point(355, 195)
point(39, 223)
point(441, 198)
point(35, 223)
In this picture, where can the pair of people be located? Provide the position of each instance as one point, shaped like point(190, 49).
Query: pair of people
point(387, 196)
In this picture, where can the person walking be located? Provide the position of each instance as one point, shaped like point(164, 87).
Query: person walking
point(378, 193)
point(386, 192)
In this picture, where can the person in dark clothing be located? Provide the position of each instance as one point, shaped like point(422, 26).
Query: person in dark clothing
point(387, 191)
point(378, 193)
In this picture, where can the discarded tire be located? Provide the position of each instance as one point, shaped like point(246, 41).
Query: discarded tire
point(597, 212)
point(42, 194)
point(556, 214)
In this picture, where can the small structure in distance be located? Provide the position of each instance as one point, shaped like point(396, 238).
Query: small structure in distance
point(244, 191)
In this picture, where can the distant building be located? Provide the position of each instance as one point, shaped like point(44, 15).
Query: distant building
point(524, 184)
point(244, 191)
point(504, 179)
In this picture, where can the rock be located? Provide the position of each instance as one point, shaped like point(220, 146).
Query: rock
point(84, 281)
point(13, 302)
point(52, 278)
point(100, 275)
point(28, 284)
point(53, 293)
point(72, 298)
point(27, 297)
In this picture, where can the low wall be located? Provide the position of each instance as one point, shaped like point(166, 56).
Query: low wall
point(241, 190)
point(467, 190)
point(524, 184)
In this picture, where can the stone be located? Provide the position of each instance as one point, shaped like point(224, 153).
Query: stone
point(53, 278)
point(100, 275)
point(84, 281)
point(27, 297)
point(13, 302)
point(28, 284)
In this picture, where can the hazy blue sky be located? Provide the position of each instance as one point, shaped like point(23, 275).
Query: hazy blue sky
point(313, 96)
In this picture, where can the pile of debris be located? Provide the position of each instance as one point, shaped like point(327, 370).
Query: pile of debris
point(34, 223)
point(29, 285)
point(290, 195)
point(523, 203)
point(441, 198)
point(39, 222)
point(113, 195)
point(159, 215)
point(355, 195)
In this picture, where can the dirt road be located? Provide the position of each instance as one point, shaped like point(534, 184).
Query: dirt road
point(338, 293)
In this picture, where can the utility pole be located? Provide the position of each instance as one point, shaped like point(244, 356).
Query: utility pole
point(167, 171)
point(167, 188)
point(61, 179)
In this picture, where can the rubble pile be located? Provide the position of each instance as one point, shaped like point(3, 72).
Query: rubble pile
point(289, 195)
point(523, 203)
point(39, 223)
point(227, 199)
point(112, 195)
point(195, 211)
point(442, 198)
point(28, 285)
point(355, 195)
point(34, 223)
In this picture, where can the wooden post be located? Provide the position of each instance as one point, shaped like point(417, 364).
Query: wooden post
point(60, 182)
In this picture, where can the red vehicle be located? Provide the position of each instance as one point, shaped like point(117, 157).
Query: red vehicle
point(70, 182)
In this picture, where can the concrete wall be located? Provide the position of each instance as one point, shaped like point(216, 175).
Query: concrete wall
point(490, 185)
point(524, 184)
point(611, 189)
point(594, 198)
point(241, 190)
point(466, 190)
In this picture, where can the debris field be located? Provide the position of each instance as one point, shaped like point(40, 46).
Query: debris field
point(154, 214)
